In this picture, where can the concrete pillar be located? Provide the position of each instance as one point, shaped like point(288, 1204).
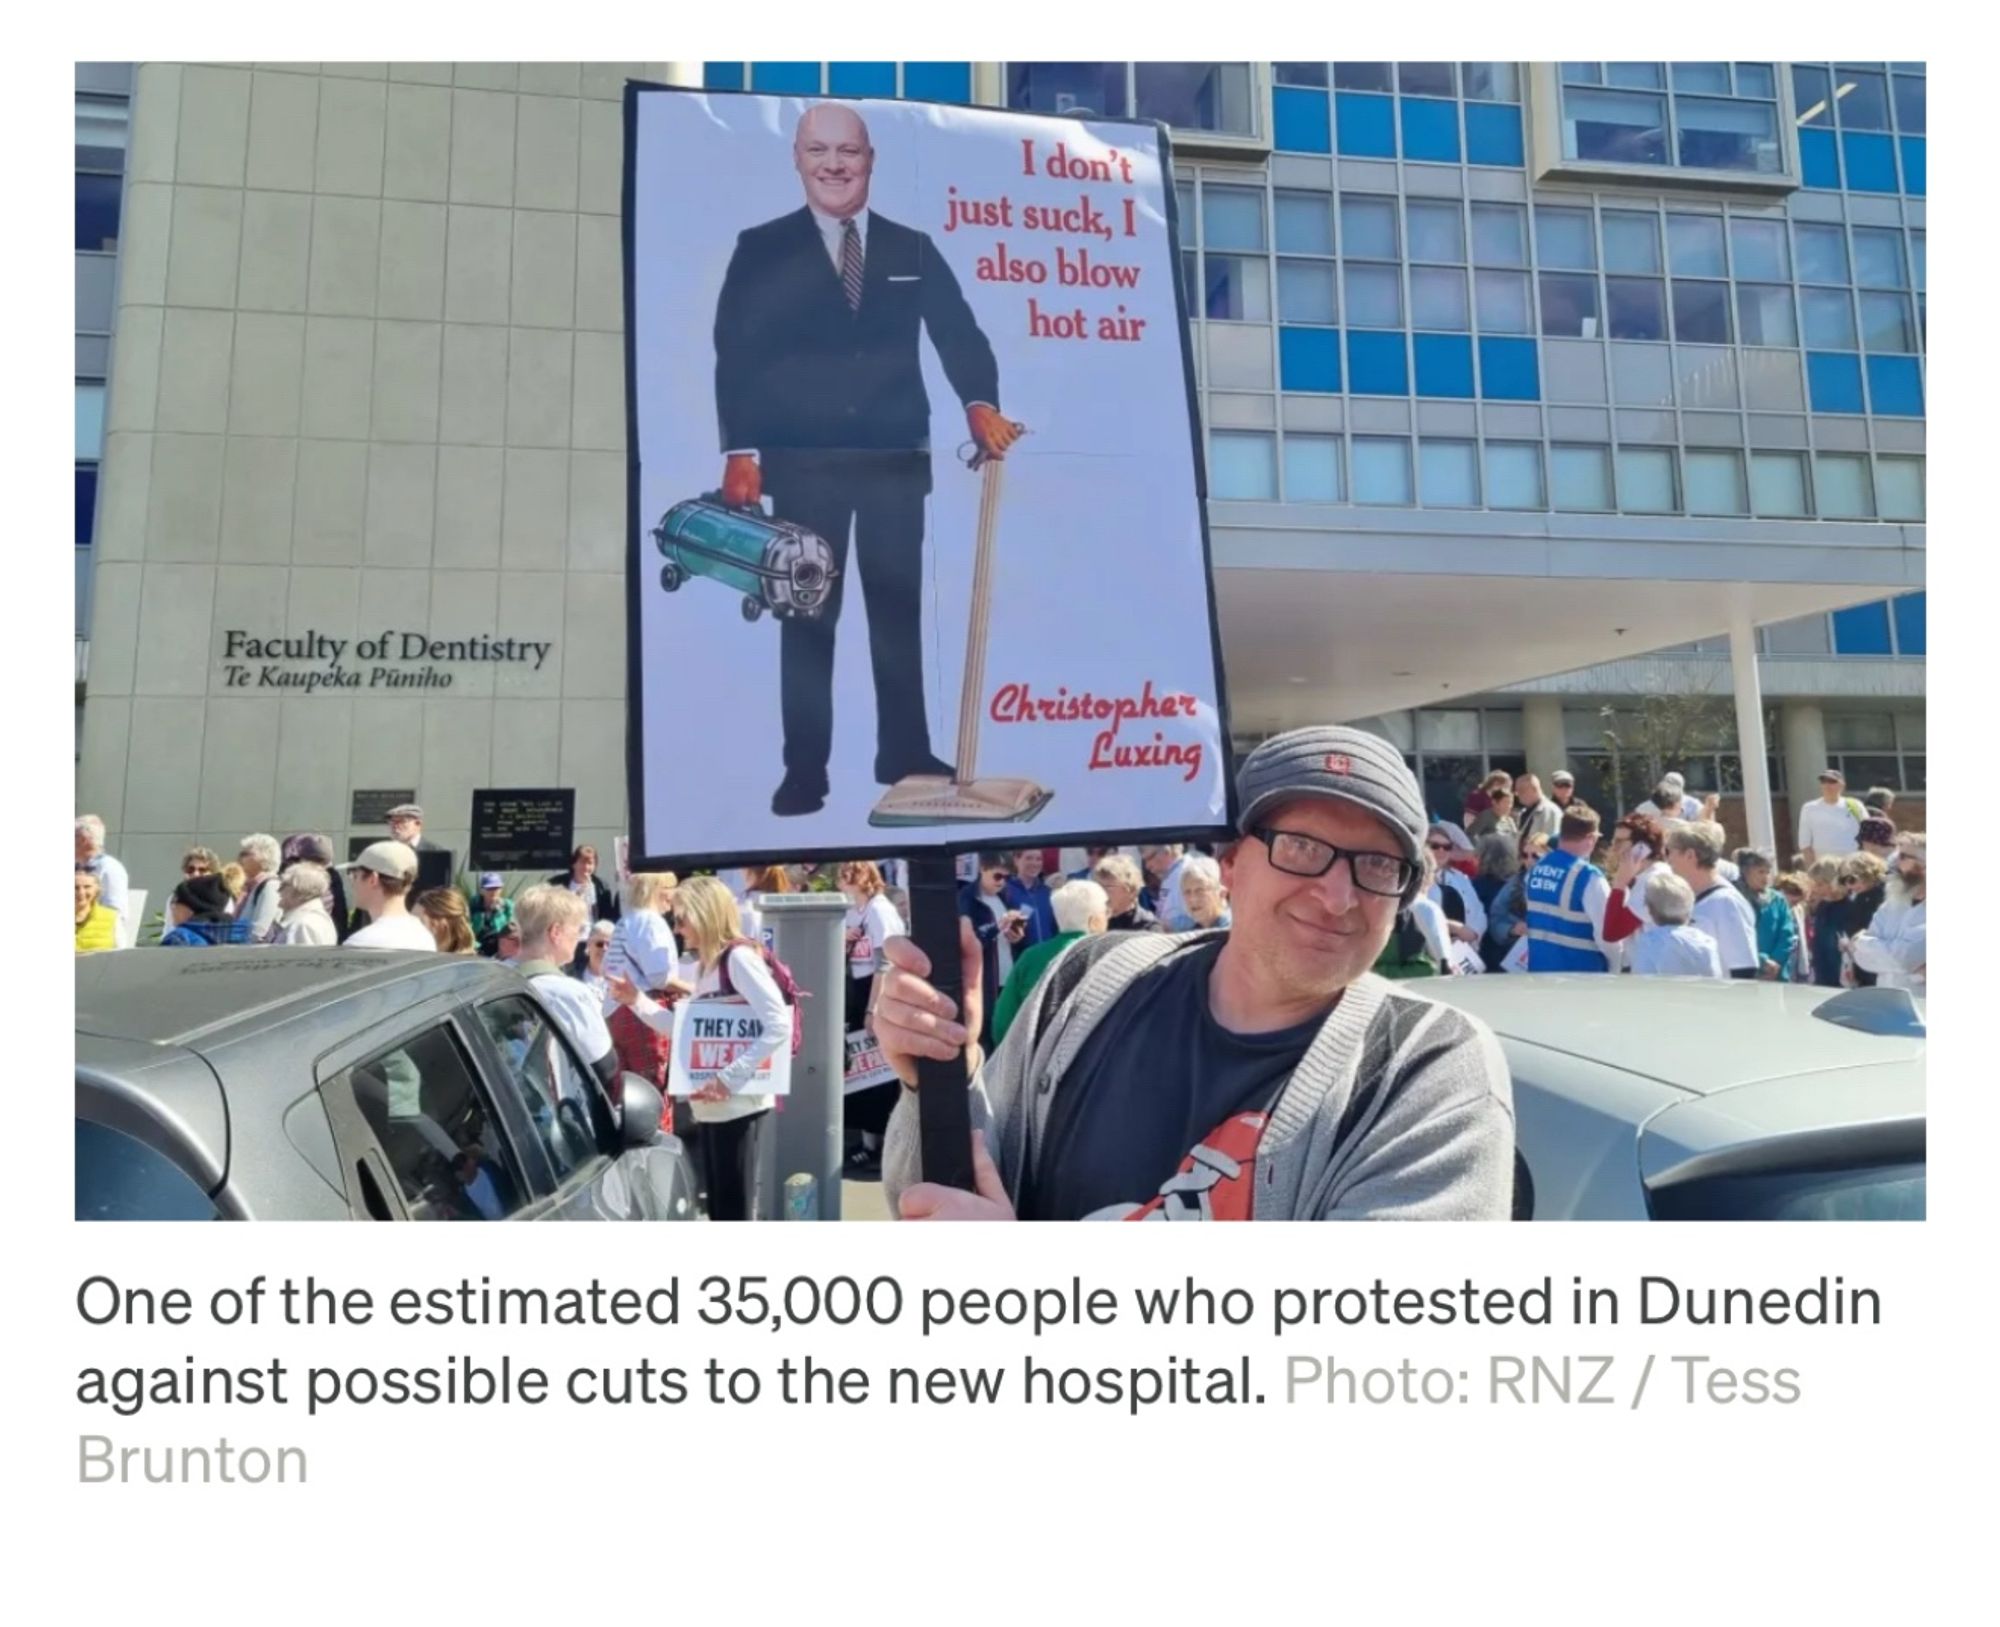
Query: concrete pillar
point(806, 1137)
point(682, 73)
point(1802, 738)
point(1542, 736)
point(1750, 732)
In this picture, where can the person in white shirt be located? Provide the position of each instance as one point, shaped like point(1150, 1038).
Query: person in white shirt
point(731, 1120)
point(1162, 865)
point(303, 891)
point(1831, 826)
point(873, 920)
point(1444, 843)
point(379, 882)
point(1894, 946)
point(1670, 947)
point(552, 920)
point(595, 949)
point(257, 910)
point(1694, 851)
point(644, 952)
point(90, 855)
point(1671, 801)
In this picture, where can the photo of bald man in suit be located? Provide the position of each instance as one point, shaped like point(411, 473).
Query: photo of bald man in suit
point(820, 396)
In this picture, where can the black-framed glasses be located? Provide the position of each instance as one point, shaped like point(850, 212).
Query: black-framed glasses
point(1387, 875)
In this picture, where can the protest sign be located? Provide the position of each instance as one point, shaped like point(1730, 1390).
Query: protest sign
point(710, 1034)
point(846, 320)
point(866, 1066)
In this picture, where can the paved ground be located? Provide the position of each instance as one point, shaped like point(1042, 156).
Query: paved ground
point(862, 1200)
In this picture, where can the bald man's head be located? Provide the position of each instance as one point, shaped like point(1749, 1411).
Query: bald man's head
point(834, 159)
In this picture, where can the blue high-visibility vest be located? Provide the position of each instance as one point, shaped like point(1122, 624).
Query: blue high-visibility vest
point(1560, 938)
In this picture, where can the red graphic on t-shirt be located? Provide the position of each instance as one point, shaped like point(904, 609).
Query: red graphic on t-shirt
point(1216, 1180)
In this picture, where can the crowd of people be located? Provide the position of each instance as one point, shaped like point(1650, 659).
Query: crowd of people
point(1519, 882)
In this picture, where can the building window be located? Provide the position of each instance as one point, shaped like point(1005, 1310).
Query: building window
point(1581, 478)
point(1899, 488)
point(1450, 472)
point(89, 421)
point(1703, 116)
point(1312, 469)
point(1491, 81)
point(1243, 466)
point(1218, 97)
point(1646, 480)
point(1841, 479)
point(1236, 288)
point(1778, 484)
point(1714, 481)
point(97, 205)
point(1514, 475)
point(1381, 470)
point(1213, 96)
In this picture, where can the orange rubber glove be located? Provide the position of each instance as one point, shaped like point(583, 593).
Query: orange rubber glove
point(992, 433)
point(742, 481)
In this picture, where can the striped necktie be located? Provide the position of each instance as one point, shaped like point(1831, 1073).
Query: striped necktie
point(850, 264)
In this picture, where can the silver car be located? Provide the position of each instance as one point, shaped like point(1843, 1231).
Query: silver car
point(335, 1084)
point(1700, 1099)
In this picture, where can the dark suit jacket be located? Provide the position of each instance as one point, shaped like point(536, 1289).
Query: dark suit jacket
point(796, 369)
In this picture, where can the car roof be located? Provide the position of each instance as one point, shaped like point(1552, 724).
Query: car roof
point(1700, 1034)
point(197, 998)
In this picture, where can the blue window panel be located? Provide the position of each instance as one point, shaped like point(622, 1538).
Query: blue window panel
point(785, 78)
point(722, 76)
point(1509, 370)
point(861, 78)
point(1300, 119)
point(1365, 125)
point(938, 81)
point(1819, 159)
point(1864, 630)
point(1909, 613)
point(1833, 380)
point(1309, 358)
point(1430, 130)
point(1493, 134)
point(1895, 387)
point(1444, 365)
point(1377, 364)
point(86, 502)
point(1913, 165)
point(1870, 161)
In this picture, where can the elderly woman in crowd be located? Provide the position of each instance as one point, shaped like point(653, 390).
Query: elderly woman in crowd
point(257, 909)
point(1119, 875)
point(315, 848)
point(1863, 878)
point(595, 948)
point(200, 861)
point(1893, 947)
point(304, 891)
point(1826, 910)
point(1453, 891)
point(1203, 898)
point(443, 911)
point(96, 926)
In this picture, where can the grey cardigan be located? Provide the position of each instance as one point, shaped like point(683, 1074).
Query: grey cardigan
point(1401, 1108)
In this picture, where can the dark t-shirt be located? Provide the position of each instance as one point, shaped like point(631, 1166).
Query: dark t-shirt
point(1157, 1078)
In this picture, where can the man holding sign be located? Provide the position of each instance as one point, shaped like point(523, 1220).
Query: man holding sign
point(820, 395)
point(1258, 1074)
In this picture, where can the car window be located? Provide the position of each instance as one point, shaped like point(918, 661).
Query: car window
point(441, 1139)
point(558, 1097)
point(120, 1178)
point(1871, 1192)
